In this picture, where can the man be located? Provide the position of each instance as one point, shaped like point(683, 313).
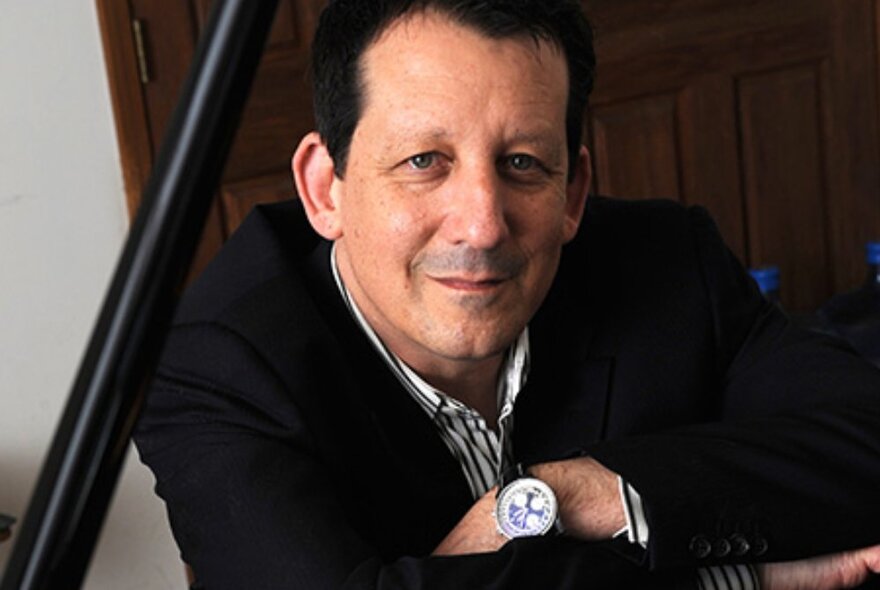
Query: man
point(341, 412)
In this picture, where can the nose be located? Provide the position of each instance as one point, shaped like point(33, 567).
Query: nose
point(477, 213)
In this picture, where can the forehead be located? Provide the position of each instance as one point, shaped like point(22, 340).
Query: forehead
point(426, 61)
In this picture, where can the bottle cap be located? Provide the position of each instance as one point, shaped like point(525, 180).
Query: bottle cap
point(767, 278)
point(872, 252)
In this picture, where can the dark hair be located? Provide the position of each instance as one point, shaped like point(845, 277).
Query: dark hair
point(348, 27)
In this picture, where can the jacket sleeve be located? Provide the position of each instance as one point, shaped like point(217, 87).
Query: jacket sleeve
point(251, 504)
point(791, 469)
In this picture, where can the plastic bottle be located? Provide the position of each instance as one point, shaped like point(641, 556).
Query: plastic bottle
point(856, 315)
point(767, 278)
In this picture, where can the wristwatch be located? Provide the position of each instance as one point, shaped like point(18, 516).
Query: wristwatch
point(525, 506)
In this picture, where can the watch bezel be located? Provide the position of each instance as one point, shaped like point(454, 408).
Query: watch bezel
point(506, 496)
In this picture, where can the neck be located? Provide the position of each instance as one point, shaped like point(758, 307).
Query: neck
point(476, 387)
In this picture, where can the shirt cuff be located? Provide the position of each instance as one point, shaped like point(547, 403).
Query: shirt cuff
point(727, 577)
point(636, 529)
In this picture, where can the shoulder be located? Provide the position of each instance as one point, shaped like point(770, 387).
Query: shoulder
point(660, 265)
point(267, 252)
point(652, 235)
point(264, 297)
point(258, 305)
point(640, 221)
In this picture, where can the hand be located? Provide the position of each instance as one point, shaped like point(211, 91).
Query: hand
point(827, 572)
point(589, 498)
point(476, 532)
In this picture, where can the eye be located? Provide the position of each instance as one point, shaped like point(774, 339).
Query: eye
point(422, 161)
point(521, 162)
point(524, 168)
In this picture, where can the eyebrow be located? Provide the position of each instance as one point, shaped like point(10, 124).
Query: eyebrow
point(437, 133)
point(542, 138)
point(545, 140)
point(403, 135)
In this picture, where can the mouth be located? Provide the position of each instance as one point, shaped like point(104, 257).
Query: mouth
point(470, 285)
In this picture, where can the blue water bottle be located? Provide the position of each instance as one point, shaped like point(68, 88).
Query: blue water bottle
point(767, 278)
point(856, 315)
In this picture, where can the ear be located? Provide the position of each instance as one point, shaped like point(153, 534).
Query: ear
point(576, 194)
point(313, 173)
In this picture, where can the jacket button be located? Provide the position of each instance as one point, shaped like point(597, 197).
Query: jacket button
point(700, 547)
point(739, 545)
point(721, 548)
point(759, 546)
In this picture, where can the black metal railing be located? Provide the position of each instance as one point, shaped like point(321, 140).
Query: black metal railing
point(66, 512)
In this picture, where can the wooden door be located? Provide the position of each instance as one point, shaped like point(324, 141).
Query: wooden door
point(764, 111)
point(149, 45)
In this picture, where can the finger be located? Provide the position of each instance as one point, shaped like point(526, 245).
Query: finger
point(871, 558)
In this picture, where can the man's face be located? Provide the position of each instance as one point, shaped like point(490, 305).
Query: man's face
point(455, 202)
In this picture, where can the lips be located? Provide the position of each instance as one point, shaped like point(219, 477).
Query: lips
point(469, 284)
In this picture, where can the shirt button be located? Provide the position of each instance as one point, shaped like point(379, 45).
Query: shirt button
point(739, 545)
point(721, 548)
point(700, 547)
point(760, 546)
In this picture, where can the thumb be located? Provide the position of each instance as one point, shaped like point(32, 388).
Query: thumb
point(871, 558)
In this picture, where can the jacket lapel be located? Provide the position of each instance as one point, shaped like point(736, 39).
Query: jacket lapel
point(562, 410)
point(564, 407)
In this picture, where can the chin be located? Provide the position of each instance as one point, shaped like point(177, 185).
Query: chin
point(464, 346)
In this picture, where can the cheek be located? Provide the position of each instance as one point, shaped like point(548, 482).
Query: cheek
point(387, 236)
point(541, 228)
point(400, 223)
point(405, 229)
point(380, 212)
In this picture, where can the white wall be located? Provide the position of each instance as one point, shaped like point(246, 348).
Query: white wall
point(62, 222)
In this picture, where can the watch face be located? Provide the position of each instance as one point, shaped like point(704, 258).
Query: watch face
point(525, 508)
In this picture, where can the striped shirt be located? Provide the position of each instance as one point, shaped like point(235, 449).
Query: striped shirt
point(484, 454)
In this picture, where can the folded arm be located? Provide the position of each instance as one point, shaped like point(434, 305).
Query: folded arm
point(252, 505)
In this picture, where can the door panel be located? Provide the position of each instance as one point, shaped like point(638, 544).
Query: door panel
point(644, 133)
point(784, 177)
point(771, 98)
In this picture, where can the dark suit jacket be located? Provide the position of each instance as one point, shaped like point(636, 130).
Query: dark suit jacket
point(290, 457)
